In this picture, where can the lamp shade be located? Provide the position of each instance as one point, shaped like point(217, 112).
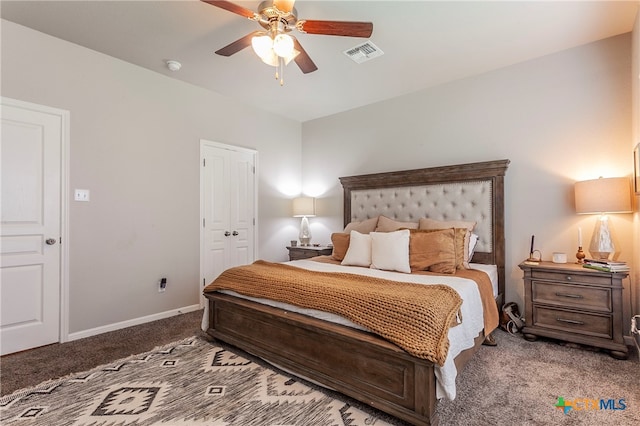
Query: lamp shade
point(304, 206)
point(604, 195)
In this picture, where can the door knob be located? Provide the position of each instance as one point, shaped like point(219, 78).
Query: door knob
point(227, 233)
point(235, 233)
point(50, 241)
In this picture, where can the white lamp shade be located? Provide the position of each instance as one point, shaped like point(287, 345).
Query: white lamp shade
point(283, 45)
point(604, 195)
point(261, 44)
point(284, 5)
point(304, 206)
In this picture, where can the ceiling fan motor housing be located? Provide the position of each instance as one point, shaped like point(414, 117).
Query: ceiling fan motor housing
point(270, 14)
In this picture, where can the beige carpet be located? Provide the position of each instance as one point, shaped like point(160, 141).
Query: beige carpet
point(519, 383)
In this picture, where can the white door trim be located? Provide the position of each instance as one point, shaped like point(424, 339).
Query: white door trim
point(254, 153)
point(64, 211)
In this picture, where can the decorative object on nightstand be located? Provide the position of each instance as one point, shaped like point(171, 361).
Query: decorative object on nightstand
point(304, 207)
point(580, 254)
point(532, 253)
point(298, 253)
point(575, 304)
point(602, 196)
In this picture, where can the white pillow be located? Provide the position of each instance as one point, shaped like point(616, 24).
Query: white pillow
point(390, 251)
point(473, 240)
point(359, 251)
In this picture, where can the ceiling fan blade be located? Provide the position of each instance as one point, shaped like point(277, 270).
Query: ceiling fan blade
point(284, 5)
point(237, 45)
point(303, 60)
point(337, 28)
point(231, 7)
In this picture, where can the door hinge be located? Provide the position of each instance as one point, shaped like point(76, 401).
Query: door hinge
point(203, 225)
point(204, 162)
point(253, 169)
point(204, 282)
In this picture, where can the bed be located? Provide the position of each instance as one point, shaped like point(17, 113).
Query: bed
point(354, 361)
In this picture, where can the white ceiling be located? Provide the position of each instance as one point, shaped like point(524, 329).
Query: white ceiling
point(425, 43)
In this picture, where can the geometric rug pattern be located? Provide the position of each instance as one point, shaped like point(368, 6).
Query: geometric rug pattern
point(191, 382)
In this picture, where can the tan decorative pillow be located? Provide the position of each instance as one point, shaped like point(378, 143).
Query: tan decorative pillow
point(459, 235)
point(426, 223)
point(363, 227)
point(389, 225)
point(433, 250)
point(340, 243)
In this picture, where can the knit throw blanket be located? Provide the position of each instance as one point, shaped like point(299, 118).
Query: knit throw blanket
point(413, 316)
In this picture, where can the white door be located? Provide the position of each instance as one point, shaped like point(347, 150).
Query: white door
point(228, 208)
point(30, 281)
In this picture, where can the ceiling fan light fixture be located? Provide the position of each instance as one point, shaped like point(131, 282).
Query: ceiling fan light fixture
point(270, 58)
point(292, 56)
point(262, 45)
point(283, 45)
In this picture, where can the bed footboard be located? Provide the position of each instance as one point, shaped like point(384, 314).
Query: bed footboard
point(355, 363)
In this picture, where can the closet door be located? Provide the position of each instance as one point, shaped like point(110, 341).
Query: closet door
point(241, 208)
point(228, 208)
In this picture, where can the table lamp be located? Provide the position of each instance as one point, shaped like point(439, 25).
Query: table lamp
point(602, 196)
point(304, 207)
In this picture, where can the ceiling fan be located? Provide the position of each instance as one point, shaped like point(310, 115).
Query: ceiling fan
point(275, 46)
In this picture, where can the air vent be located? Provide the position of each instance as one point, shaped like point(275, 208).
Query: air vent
point(364, 52)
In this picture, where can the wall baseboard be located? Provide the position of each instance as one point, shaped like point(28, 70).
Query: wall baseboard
point(131, 322)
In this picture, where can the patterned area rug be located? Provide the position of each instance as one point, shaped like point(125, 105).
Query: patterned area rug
point(191, 382)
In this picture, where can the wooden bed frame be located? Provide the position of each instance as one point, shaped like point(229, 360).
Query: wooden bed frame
point(356, 363)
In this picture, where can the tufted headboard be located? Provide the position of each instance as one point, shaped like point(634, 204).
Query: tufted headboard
point(470, 192)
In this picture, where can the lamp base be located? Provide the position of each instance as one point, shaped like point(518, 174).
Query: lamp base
point(304, 242)
point(305, 233)
point(603, 243)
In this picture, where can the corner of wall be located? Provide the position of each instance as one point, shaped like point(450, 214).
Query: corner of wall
point(635, 108)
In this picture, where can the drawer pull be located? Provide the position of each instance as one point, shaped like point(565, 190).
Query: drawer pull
point(570, 321)
point(568, 278)
point(573, 296)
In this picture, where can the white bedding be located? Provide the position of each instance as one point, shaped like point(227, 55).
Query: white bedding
point(461, 337)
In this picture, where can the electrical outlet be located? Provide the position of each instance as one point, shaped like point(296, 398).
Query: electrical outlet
point(162, 285)
point(81, 195)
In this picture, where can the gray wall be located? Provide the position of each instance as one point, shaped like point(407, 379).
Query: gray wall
point(135, 138)
point(559, 119)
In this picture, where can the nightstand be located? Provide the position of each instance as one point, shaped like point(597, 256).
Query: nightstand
point(305, 252)
point(575, 304)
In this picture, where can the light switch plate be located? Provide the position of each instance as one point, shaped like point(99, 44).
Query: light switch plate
point(81, 195)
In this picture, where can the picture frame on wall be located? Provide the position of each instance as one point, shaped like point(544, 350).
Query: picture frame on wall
point(636, 169)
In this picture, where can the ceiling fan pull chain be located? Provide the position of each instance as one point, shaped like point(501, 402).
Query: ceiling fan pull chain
point(281, 65)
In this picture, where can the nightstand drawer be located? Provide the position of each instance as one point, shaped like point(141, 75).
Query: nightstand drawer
point(572, 296)
point(573, 322)
point(570, 277)
point(299, 255)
